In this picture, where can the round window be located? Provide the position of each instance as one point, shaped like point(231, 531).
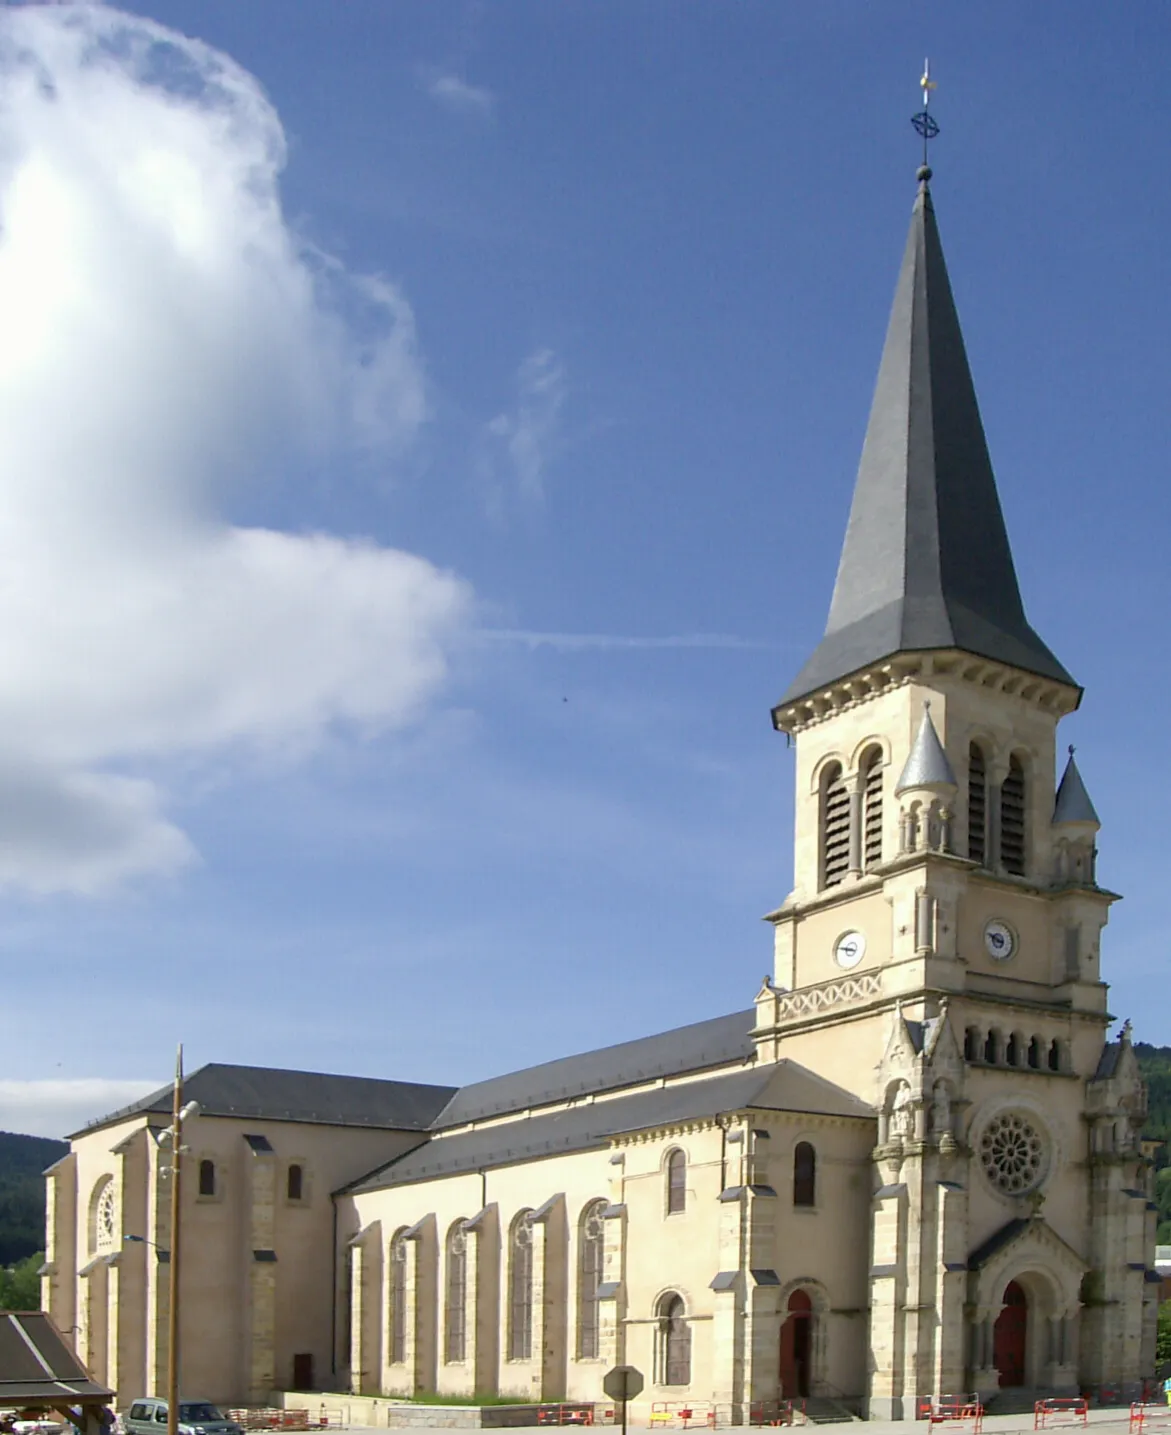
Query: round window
point(1012, 1151)
point(105, 1221)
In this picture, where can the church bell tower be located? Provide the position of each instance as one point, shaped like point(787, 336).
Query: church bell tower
point(939, 951)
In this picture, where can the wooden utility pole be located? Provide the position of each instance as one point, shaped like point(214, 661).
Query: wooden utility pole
point(173, 1313)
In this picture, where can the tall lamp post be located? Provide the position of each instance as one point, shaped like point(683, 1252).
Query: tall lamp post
point(179, 1114)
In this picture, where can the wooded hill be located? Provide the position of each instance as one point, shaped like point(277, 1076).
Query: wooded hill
point(22, 1193)
point(1155, 1064)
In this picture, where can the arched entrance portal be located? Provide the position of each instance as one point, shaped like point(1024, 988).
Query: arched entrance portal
point(1009, 1336)
point(797, 1347)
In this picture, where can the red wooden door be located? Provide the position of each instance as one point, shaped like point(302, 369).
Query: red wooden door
point(1008, 1337)
point(796, 1346)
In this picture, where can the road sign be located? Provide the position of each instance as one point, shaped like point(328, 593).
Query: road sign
point(623, 1383)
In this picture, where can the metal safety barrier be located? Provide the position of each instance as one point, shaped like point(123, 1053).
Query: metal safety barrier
point(1061, 1410)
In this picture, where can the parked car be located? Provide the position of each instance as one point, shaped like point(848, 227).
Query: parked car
point(196, 1417)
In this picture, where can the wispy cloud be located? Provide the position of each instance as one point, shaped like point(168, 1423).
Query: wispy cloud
point(519, 444)
point(602, 642)
point(454, 93)
point(55, 1108)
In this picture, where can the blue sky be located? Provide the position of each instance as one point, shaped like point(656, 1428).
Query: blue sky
point(580, 307)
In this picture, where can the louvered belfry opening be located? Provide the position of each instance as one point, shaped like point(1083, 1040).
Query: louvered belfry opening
point(977, 804)
point(872, 810)
point(1012, 820)
point(835, 827)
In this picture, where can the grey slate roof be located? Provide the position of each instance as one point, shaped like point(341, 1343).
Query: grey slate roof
point(716, 1042)
point(269, 1094)
point(997, 1242)
point(1073, 801)
point(779, 1086)
point(927, 764)
point(926, 561)
point(36, 1366)
point(1108, 1061)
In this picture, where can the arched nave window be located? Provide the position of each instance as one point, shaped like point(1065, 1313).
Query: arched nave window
point(872, 809)
point(457, 1290)
point(591, 1253)
point(295, 1182)
point(676, 1183)
point(520, 1288)
point(1012, 819)
point(207, 1178)
point(835, 826)
point(804, 1174)
point(396, 1342)
point(674, 1342)
point(977, 804)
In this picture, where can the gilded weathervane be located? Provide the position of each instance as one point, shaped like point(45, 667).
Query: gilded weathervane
point(924, 121)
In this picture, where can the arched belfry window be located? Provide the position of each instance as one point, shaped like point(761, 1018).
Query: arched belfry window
point(1012, 819)
point(977, 805)
point(674, 1341)
point(804, 1174)
point(520, 1288)
point(872, 809)
point(591, 1253)
point(835, 826)
point(676, 1183)
point(207, 1178)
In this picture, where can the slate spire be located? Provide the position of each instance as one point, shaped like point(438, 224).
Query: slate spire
point(926, 561)
point(927, 765)
point(1073, 801)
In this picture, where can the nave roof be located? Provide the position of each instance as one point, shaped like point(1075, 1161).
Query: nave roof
point(778, 1086)
point(264, 1093)
point(269, 1094)
point(719, 1041)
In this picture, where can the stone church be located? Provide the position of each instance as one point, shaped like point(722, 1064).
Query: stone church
point(911, 1166)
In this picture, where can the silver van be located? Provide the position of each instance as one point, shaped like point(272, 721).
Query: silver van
point(196, 1417)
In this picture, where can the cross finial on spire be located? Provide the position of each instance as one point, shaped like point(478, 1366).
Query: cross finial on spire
point(924, 122)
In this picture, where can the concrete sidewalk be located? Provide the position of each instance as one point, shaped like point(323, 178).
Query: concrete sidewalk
point(1114, 1420)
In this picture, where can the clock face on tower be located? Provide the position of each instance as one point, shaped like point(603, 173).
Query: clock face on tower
point(849, 949)
point(1000, 940)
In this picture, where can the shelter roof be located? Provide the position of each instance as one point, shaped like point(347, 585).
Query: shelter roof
point(37, 1367)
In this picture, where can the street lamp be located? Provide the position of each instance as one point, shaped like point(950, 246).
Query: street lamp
point(179, 1114)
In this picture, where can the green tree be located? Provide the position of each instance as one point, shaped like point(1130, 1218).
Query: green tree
point(20, 1285)
point(1163, 1340)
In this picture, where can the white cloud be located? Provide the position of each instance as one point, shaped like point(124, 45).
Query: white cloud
point(56, 1108)
point(165, 337)
point(457, 95)
point(521, 443)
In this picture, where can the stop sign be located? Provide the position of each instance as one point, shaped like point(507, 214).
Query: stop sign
point(623, 1383)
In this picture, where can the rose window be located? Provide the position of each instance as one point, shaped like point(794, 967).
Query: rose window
point(1013, 1153)
point(105, 1227)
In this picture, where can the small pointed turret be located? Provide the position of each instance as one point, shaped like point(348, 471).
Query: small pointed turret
point(926, 563)
point(1075, 828)
point(1073, 803)
point(925, 791)
point(927, 767)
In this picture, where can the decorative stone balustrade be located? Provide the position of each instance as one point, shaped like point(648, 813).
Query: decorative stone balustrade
point(809, 1001)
